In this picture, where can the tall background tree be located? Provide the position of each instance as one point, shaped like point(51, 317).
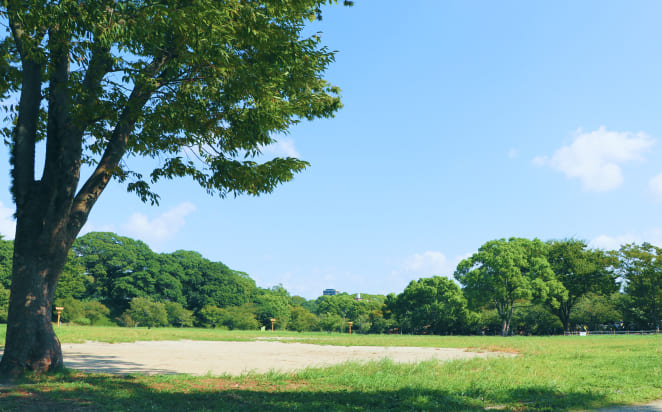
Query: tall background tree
point(641, 268)
point(202, 86)
point(504, 273)
point(433, 305)
point(581, 270)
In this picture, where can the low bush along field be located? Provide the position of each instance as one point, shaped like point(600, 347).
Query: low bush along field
point(549, 374)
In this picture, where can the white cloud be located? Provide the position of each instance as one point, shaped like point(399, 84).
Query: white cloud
point(282, 148)
point(162, 227)
point(607, 242)
point(421, 265)
point(595, 158)
point(7, 222)
point(428, 263)
point(655, 187)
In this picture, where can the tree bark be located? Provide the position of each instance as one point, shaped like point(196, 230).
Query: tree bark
point(31, 343)
point(49, 212)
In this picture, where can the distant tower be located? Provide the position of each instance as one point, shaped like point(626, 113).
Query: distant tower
point(358, 296)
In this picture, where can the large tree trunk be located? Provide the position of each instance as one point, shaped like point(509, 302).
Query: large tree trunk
point(49, 212)
point(31, 343)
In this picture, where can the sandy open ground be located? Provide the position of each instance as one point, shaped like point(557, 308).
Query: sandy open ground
point(235, 358)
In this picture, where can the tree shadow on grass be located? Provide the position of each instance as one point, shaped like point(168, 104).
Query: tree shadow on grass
point(78, 392)
point(109, 364)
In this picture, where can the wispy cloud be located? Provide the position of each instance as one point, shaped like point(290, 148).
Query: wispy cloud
point(614, 242)
point(426, 264)
point(429, 263)
point(596, 158)
point(655, 187)
point(284, 147)
point(161, 228)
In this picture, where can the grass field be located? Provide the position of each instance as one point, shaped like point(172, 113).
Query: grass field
point(549, 374)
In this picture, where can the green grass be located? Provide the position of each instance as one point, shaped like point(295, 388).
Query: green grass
point(549, 374)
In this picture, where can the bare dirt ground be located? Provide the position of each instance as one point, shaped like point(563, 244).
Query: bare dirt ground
point(235, 358)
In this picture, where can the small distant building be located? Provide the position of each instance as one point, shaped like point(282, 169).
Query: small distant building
point(330, 292)
point(358, 297)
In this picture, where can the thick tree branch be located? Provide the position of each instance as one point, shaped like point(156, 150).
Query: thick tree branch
point(65, 134)
point(100, 65)
point(23, 150)
point(62, 163)
point(116, 148)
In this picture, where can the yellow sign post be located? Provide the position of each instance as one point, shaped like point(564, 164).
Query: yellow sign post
point(59, 310)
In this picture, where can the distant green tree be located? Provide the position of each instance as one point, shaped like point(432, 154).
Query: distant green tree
point(633, 317)
point(641, 267)
point(433, 305)
point(4, 304)
point(379, 323)
point(581, 270)
point(331, 323)
point(148, 313)
point(96, 312)
point(6, 258)
point(362, 323)
point(73, 283)
point(505, 272)
point(390, 303)
point(273, 304)
point(74, 311)
point(301, 320)
point(240, 317)
point(212, 283)
point(343, 305)
point(535, 320)
point(122, 268)
point(298, 301)
point(89, 312)
point(597, 311)
point(489, 321)
point(311, 306)
point(210, 316)
point(178, 315)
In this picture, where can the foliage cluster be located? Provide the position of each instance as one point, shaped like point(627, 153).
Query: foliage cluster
point(200, 87)
point(510, 286)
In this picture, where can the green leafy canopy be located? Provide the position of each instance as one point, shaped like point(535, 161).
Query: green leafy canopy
point(201, 86)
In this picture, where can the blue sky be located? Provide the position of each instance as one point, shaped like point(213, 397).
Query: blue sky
point(464, 121)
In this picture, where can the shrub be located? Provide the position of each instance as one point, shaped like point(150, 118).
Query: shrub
point(148, 313)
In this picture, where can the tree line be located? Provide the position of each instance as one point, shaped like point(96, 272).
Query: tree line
point(527, 286)
point(110, 279)
point(508, 286)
